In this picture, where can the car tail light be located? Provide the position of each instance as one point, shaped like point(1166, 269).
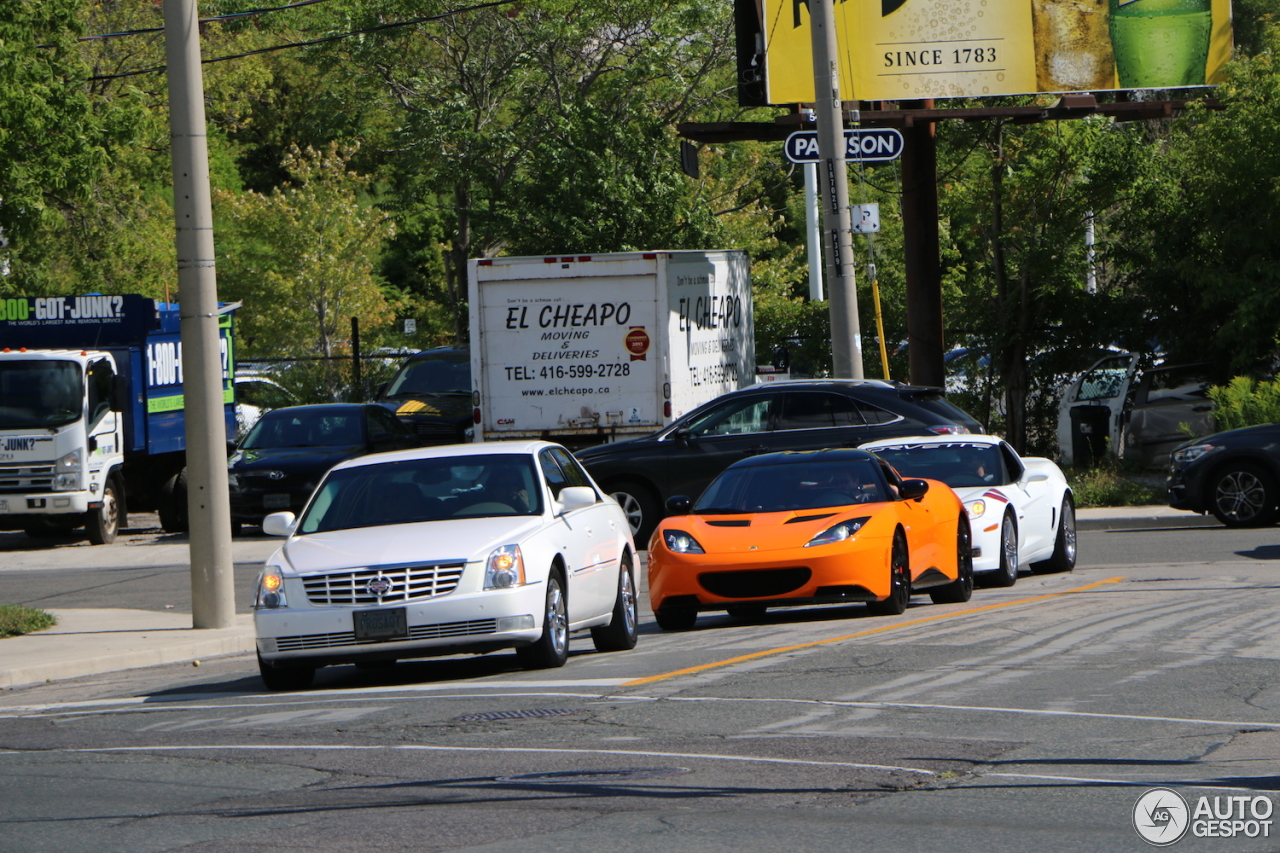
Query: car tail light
point(949, 429)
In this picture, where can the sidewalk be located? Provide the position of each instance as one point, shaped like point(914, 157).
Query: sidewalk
point(94, 641)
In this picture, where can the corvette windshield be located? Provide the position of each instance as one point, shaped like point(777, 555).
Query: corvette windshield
point(957, 464)
point(434, 489)
point(792, 486)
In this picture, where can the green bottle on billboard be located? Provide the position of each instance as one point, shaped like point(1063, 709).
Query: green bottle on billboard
point(1161, 44)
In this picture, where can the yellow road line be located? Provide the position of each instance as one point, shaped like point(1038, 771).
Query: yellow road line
point(766, 653)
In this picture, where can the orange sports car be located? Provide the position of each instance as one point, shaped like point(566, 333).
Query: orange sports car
point(816, 527)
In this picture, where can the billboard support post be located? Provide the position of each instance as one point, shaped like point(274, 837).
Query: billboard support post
point(922, 263)
point(846, 337)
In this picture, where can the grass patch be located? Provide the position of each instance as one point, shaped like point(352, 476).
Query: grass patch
point(16, 620)
point(1108, 485)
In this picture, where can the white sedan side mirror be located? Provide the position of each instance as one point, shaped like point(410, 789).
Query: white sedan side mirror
point(576, 497)
point(279, 524)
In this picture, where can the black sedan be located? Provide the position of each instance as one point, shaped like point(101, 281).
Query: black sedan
point(798, 415)
point(277, 465)
point(1235, 475)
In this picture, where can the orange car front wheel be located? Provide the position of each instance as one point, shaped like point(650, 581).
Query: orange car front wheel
point(899, 580)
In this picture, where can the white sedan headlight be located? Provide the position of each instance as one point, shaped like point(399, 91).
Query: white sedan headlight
point(504, 569)
point(977, 508)
point(270, 589)
point(840, 532)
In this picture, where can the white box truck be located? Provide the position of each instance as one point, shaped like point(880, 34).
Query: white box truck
point(588, 349)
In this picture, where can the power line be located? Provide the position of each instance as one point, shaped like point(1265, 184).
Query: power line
point(311, 42)
point(227, 17)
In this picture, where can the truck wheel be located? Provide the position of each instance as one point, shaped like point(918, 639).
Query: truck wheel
point(640, 506)
point(104, 523)
point(173, 504)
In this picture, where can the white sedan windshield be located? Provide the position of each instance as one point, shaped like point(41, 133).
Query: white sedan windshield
point(424, 490)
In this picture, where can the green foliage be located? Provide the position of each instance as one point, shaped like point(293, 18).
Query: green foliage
point(303, 257)
point(1244, 402)
point(1109, 485)
point(16, 620)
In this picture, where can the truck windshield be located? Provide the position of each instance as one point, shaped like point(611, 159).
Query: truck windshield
point(40, 393)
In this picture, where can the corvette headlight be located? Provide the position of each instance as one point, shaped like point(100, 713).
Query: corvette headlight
point(840, 532)
point(66, 473)
point(1187, 455)
point(680, 542)
point(504, 569)
point(270, 590)
point(977, 508)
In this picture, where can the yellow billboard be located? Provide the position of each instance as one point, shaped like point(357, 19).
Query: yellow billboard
point(891, 50)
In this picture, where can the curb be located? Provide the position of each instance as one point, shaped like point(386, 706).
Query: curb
point(1181, 520)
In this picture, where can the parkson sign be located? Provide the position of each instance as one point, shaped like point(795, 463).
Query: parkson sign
point(870, 145)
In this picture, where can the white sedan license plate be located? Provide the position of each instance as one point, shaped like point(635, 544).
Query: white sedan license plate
point(275, 501)
point(390, 624)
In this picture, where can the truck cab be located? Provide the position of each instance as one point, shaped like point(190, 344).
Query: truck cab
point(61, 442)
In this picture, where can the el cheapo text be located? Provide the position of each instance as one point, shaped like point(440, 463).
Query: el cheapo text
point(566, 315)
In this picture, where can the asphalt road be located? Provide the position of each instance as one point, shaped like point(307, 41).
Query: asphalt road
point(1028, 719)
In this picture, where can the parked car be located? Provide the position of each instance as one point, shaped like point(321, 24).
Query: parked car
point(431, 395)
point(1235, 475)
point(435, 551)
point(1115, 407)
point(1020, 508)
point(816, 527)
point(278, 464)
point(796, 415)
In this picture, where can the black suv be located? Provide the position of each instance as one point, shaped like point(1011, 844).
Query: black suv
point(431, 394)
point(798, 415)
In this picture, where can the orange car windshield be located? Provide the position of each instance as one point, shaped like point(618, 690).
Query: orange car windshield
point(792, 486)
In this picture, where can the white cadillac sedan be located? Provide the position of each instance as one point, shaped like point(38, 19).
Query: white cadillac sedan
point(1020, 508)
point(435, 551)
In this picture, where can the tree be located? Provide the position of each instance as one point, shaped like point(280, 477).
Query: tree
point(1016, 211)
point(302, 258)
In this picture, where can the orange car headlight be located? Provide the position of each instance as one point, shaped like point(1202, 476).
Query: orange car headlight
point(680, 542)
point(840, 532)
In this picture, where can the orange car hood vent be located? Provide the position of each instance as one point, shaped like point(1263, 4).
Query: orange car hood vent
point(799, 518)
point(730, 522)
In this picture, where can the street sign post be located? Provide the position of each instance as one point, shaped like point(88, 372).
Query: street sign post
point(869, 145)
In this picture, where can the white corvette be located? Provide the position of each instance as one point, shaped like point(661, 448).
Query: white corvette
point(1020, 509)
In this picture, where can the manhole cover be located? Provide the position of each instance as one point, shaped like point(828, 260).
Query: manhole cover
point(519, 715)
point(571, 777)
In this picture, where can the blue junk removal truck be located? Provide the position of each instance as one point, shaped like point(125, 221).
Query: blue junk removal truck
point(91, 412)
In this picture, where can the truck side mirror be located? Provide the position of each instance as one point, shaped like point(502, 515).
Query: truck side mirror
point(119, 394)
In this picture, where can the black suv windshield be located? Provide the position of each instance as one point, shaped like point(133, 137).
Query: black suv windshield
point(443, 374)
point(39, 393)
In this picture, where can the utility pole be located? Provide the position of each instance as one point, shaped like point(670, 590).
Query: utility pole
point(208, 504)
point(842, 291)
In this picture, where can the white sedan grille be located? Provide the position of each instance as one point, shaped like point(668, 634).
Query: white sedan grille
point(383, 584)
point(420, 632)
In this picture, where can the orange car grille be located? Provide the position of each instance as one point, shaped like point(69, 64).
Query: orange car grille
point(757, 583)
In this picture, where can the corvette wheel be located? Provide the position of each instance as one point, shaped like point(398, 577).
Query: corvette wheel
point(1063, 558)
point(1007, 575)
point(899, 580)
